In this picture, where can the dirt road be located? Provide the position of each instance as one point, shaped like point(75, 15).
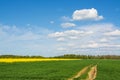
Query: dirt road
point(92, 73)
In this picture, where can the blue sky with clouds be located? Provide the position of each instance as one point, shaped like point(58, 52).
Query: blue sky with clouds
point(56, 27)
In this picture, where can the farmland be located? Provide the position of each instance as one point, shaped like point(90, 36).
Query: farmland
point(109, 70)
point(11, 60)
point(58, 70)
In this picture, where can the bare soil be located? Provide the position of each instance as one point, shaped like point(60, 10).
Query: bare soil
point(92, 73)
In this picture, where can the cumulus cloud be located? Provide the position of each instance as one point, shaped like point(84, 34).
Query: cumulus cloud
point(68, 25)
point(86, 14)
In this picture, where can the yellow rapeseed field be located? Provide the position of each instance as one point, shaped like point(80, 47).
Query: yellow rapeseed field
point(11, 60)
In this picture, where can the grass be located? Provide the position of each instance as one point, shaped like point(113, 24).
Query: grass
point(57, 70)
point(85, 75)
point(49, 70)
point(108, 70)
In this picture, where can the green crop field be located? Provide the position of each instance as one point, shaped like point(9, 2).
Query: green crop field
point(108, 70)
point(58, 70)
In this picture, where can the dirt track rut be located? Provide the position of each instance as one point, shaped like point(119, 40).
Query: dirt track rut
point(91, 74)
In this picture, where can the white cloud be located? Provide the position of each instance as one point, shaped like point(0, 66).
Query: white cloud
point(61, 49)
point(71, 45)
point(100, 45)
point(93, 45)
point(57, 34)
point(68, 25)
point(13, 33)
point(90, 44)
point(24, 41)
point(113, 33)
point(73, 37)
point(29, 36)
point(65, 18)
point(61, 39)
point(113, 45)
point(103, 40)
point(70, 34)
point(73, 32)
point(88, 39)
point(103, 27)
point(86, 14)
point(89, 32)
point(2, 32)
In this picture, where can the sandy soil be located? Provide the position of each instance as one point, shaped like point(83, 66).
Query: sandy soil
point(92, 73)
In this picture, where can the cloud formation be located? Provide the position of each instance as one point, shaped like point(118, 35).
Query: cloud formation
point(24, 41)
point(70, 34)
point(113, 33)
point(88, 39)
point(86, 14)
point(68, 25)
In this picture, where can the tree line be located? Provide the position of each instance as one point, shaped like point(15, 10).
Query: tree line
point(67, 56)
point(19, 56)
point(89, 56)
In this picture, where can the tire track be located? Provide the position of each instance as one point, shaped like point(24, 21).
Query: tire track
point(79, 73)
point(91, 74)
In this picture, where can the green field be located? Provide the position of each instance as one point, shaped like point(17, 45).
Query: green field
point(108, 70)
point(58, 70)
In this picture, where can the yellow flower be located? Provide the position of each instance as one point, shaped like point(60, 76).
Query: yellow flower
point(11, 60)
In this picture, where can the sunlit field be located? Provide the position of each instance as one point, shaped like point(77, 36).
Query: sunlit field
point(56, 69)
point(42, 70)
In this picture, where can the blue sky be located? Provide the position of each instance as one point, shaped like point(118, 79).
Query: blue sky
point(56, 27)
